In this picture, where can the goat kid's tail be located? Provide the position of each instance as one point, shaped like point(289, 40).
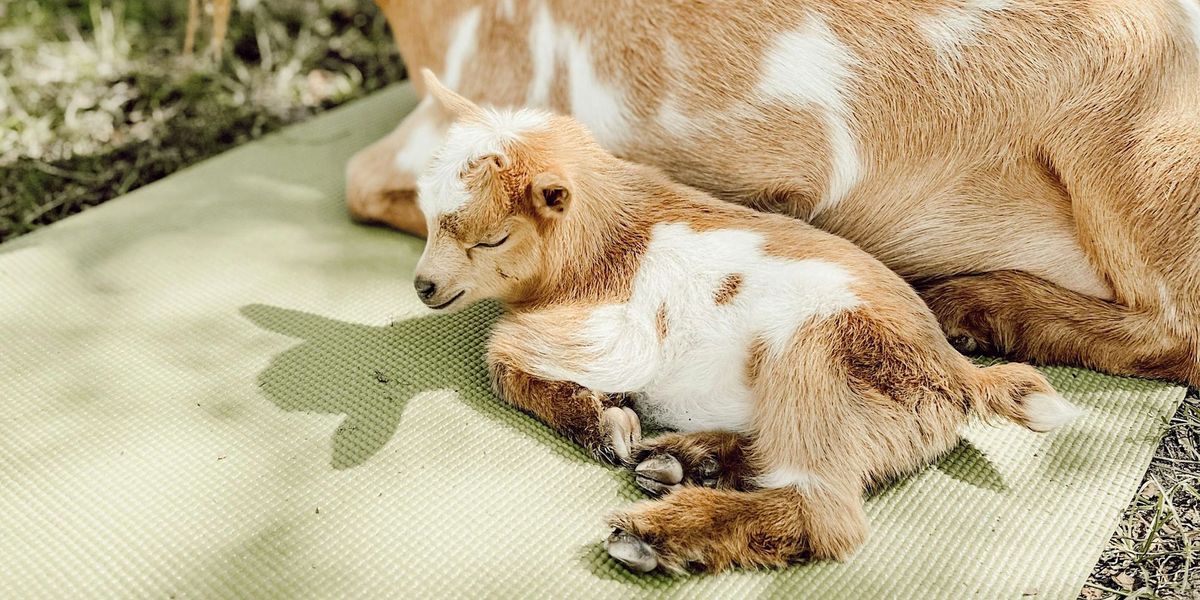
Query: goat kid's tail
point(1021, 393)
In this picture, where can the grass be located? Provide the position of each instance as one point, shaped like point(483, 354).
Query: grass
point(1155, 552)
point(97, 99)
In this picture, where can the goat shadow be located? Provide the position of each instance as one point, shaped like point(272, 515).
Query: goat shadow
point(369, 373)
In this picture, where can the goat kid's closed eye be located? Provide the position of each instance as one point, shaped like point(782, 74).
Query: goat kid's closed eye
point(497, 243)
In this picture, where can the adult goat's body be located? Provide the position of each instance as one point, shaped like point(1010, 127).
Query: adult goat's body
point(1033, 165)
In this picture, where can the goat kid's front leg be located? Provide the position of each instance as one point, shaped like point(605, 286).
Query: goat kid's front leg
point(601, 423)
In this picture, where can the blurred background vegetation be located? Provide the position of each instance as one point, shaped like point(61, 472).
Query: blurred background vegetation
point(98, 98)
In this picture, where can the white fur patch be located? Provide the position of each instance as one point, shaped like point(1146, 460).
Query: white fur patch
point(694, 379)
point(597, 104)
point(951, 29)
point(422, 141)
point(1046, 412)
point(440, 188)
point(671, 116)
point(782, 477)
point(508, 9)
point(543, 54)
point(810, 66)
point(463, 41)
point(1167, 306)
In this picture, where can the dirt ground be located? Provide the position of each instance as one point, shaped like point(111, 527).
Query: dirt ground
point(97, 99)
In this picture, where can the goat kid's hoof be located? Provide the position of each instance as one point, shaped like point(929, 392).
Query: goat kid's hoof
point(631, 551)
point(659, 474)
point(624, 432)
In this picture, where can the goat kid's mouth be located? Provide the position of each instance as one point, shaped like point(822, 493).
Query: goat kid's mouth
point(447, 303)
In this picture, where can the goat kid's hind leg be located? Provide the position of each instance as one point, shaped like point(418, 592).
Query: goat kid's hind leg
point(713, 459)
point(711, 530)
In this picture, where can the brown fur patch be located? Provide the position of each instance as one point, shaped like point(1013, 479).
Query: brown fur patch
point(876, 358)
point(728, 289)
point(754, 362)
point(451, 223)
point(1178, 362)
point(660, 321)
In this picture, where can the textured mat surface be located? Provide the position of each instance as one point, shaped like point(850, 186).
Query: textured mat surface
point(217, 387)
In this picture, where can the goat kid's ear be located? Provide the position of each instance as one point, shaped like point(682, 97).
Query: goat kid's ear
point(457, 106)
point(551, 195)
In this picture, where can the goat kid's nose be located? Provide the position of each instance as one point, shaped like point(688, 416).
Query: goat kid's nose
point(425, 288)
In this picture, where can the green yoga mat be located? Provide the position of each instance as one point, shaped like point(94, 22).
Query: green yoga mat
point(217, 386)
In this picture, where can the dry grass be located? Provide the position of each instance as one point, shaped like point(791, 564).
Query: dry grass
point(1155, 552)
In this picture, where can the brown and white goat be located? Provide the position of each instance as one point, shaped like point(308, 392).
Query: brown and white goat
point(797, 369)
point(1034, 165)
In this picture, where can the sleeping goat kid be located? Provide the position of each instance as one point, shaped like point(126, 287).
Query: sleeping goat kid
point(797, 370)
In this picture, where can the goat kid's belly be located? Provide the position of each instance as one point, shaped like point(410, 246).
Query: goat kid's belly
point(702, 387)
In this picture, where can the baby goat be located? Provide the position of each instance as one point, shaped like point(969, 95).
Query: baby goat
point(796, 369)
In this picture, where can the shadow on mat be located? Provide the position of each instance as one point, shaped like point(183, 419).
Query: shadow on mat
point(970, 465)
point(369, 373)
